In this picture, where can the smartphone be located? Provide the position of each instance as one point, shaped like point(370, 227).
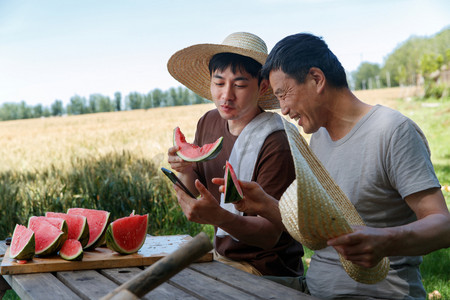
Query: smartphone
point(177, 181)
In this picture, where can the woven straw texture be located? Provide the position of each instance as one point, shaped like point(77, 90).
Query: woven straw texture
point(190, 65)
point(314, 209)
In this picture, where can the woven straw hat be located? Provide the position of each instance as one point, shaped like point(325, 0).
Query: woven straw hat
point(314, 209)
point(190, 65)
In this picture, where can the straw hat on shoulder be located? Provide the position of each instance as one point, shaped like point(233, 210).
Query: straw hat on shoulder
point(190, 65)
point(314, 209)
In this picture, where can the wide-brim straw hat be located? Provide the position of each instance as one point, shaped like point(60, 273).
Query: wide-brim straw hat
point(314, 209)
point(190, 65)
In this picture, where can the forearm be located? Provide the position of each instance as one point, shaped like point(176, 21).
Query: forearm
point(252, 230)
point(421, 237)
point(271, 212)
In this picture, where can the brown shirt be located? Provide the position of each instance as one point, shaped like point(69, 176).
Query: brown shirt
point(274, 171)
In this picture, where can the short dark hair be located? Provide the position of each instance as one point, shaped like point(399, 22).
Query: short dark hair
point(296, 54)
point(221, 61)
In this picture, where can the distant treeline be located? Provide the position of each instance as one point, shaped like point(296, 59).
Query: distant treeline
point(99, 103)
point(417, 61)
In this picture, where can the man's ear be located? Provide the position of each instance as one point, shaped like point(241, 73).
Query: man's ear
point(263, 86)
point(319, 78)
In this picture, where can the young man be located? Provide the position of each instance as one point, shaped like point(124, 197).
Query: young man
point(378, 157)
point(255, 144)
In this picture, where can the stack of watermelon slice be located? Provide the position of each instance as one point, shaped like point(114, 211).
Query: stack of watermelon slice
point(78, 230)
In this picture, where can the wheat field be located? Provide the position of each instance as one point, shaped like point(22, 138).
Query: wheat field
point(36, 144)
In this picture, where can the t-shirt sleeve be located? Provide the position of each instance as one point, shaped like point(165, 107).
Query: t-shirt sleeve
point(408, 160)
point(275, 169)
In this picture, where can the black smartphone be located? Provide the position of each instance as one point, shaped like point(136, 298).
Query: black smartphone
point(177, 181)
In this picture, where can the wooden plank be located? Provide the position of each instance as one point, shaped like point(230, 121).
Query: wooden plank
point(87, 284)
point(2, 249)
point(39, 286)
point(163, 292)
point(203, 286)
point(154, 248)
point(252, 284)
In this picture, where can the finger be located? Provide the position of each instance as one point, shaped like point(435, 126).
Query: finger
point(346, 239)
point(218, 181)
point(173, 150)
point(202, 189)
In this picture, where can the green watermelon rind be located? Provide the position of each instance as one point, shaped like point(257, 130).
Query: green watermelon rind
point(28, 251)
point(205, 157)
point(76, 257)
point(112, 244)
point(231, 192)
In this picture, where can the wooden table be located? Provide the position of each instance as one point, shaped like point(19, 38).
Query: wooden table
point(209, 280)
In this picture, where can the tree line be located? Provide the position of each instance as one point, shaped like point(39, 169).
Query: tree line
point(100, 103)
point(418, 60)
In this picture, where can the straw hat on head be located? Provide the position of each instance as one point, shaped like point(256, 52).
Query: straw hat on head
point(314, 209)
point(190, 65)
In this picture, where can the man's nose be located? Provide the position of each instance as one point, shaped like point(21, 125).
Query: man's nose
point(284, 109)
point(227, 92)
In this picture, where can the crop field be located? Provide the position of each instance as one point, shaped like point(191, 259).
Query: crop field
point(55, 163)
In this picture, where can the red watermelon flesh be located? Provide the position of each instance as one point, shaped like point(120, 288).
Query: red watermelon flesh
point(75, 224)
point(55, 221)
point(48, 238)
point(194, 153)
point(71, 250)
point(127, 235)
point(97, 221)
point(22, 243)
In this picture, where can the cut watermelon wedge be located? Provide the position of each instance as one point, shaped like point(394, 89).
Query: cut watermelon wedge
point(71, 250)
point(233, 191)
point(22, 243)
point(97, 220)
point(77, 226)
point(59, 223)
point(48, 238)
point(127, 235)
point(191, 152)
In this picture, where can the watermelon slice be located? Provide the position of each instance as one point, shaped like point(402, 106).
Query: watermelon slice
point(71, 250)
point(48, 238)
point(233, 191)
point(127, 235)
point(191, 152)
point(97, 220)
point(77, 226)
point(22, 243)
point(59, 223)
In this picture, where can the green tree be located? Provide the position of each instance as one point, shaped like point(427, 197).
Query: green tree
point(367, 76)
point(77, 105)
point(118, 101)
point(57, 108)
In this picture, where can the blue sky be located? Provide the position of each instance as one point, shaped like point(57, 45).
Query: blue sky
point(53, 49)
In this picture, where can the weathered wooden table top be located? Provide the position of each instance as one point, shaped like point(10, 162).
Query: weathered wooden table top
point(208, 280)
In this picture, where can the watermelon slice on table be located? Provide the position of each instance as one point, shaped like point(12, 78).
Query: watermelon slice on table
point(191, 152)
point(127, 235)
point(59, 223)
point(97, 220)
point(22, 243)
point(77, 225)
point(233, 191)
point(71, 250)
point(48, 238)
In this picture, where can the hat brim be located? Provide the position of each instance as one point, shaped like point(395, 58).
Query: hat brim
point(190, 67)
point(314, 209)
